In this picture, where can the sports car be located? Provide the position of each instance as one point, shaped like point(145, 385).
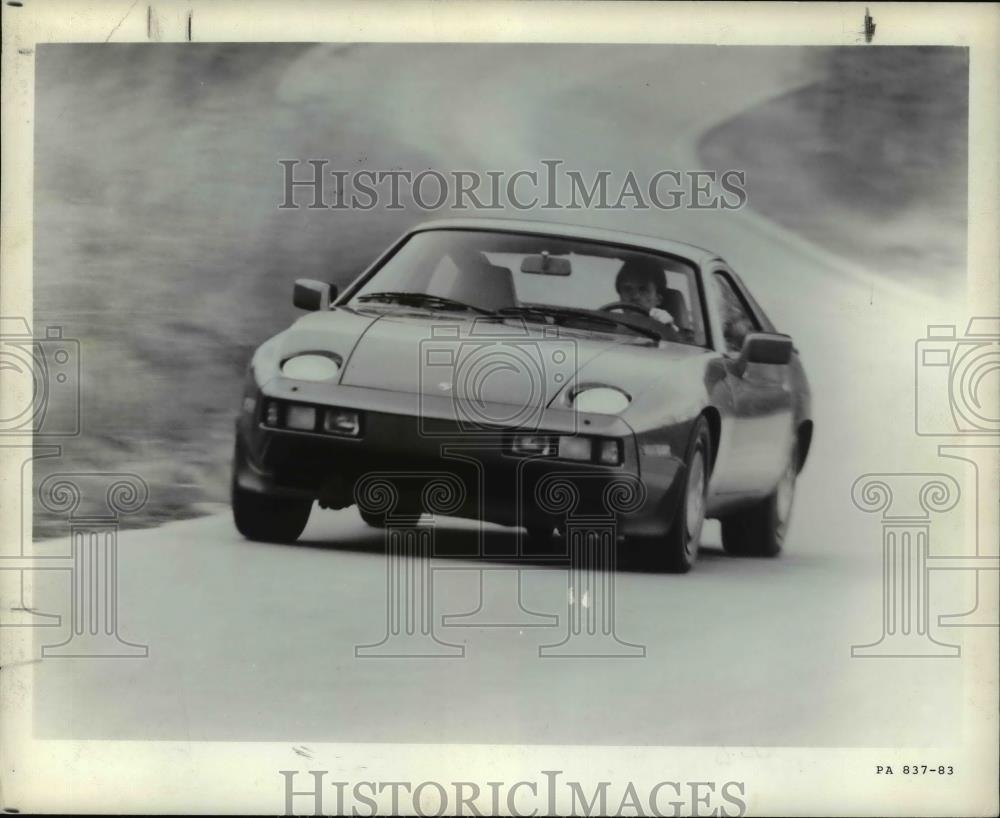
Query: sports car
point(551, 377)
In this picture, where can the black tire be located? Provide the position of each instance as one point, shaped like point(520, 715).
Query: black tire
point(264, 518)
point(760, 530)
point(676, 553)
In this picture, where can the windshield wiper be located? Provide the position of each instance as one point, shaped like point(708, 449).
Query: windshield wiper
point(410, 299)
point(556, 313)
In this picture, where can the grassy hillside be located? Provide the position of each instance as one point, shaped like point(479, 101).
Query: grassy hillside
point(870, 162)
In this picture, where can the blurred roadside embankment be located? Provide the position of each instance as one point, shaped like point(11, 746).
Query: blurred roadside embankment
point(870, 162)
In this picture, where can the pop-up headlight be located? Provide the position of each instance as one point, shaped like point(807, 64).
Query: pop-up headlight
point(311, 366)
point(601, 400)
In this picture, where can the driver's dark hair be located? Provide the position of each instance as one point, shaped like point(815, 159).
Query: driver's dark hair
point(643, 268)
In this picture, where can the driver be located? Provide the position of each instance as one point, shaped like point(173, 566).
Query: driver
point(642, 283)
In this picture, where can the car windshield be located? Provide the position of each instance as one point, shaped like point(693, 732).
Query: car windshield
point(584, 284)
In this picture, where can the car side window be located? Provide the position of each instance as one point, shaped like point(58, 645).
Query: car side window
point(737, 319)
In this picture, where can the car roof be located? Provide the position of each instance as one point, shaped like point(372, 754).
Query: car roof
point(663, 245)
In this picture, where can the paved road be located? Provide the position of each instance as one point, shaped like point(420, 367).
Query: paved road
point(249, 641)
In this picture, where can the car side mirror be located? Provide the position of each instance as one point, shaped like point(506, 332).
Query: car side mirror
point(313, 295)
point(766, 348)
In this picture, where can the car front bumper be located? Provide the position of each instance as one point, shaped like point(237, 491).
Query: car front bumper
point(418, 453)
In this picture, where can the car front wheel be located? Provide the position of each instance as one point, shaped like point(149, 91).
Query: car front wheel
point(677, 552)
point(760, 530)
point(264, 518)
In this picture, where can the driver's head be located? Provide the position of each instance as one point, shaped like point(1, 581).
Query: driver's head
point(641, 282)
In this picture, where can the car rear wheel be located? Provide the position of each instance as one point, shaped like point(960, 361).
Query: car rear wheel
point(264, 518)
point(676, 554)
point(760, 530)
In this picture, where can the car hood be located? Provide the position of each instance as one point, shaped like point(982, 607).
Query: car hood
point(510, 362)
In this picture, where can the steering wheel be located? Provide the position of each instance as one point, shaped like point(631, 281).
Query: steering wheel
point(625, 307)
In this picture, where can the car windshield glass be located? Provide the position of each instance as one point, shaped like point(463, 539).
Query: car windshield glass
point(588, 285)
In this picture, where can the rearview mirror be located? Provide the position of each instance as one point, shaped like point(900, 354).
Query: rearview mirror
point(546, 265)
point(313, 295)
point(766, 348)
